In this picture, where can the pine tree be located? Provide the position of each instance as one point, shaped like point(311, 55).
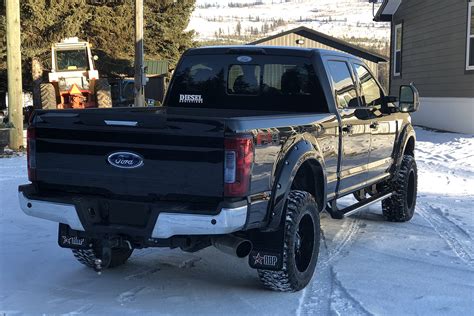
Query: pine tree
point(165, 28)
point(3, 49)
point(110, 30)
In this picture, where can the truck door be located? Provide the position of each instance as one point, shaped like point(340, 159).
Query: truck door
point(382, 126)
point(355, 130)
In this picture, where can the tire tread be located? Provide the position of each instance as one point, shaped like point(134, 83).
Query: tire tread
point(394, 208)
point(283, 280)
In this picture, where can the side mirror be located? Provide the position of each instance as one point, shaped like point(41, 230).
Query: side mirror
point(95, 57)
point(409, 99)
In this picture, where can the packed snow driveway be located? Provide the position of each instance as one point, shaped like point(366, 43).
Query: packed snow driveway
point(366, 266)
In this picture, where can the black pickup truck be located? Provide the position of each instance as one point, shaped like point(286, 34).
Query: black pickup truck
point(253, 143)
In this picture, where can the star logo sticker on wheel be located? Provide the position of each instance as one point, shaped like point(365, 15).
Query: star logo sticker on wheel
point(258, 259)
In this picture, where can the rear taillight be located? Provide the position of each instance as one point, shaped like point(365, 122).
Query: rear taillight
point(31, 153)
point(237, 165)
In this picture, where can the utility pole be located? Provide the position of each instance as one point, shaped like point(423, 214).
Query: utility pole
point(140, 80)
point(15, 91)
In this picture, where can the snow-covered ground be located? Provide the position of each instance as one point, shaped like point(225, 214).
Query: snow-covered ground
point(367, 266)
point(343, 18)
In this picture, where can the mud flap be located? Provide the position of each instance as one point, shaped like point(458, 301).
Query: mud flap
point(70, 238)
point(267, 251)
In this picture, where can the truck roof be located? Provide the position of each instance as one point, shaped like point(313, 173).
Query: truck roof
point(266, 50)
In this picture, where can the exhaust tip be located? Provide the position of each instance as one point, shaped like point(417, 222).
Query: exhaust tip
point(232, 245)
point(243, 249)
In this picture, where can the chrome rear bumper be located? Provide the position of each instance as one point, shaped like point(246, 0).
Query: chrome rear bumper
point(229, 220)
point(56, 212)
point(168, 224)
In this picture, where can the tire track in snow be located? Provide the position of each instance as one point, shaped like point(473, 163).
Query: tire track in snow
point(130, 295)
point(343, 303)
point(451, 233)
point(325, 294)
point(343, 239)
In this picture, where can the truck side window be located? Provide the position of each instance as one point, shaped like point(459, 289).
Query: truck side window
point(346, 93)
point(371, 94)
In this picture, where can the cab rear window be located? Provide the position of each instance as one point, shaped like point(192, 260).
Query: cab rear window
point(271, 83)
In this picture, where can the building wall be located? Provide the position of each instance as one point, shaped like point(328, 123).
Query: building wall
point(434, 58)
point(433, 48)
point(290, 40)
point(438, 113)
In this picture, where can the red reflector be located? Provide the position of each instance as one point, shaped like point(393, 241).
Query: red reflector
point(237, 165)
point(31, 153)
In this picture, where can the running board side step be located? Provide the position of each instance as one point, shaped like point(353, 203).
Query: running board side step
point(352, 209)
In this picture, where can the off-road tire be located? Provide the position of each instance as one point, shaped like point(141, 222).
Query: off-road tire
point(103, 95)
point(295, 276)
point(48, 96)
point(88, 256)
point(400, 207)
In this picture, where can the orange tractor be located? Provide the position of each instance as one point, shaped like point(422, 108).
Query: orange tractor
point(73, 81)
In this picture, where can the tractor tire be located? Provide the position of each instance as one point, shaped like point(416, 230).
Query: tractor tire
point(400, 207)
point(88, 256)
point(48, 96)
point(301, 245)
point(103, 95)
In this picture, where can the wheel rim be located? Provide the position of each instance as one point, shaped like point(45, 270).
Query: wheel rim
point(304, 243)
point(411, 189)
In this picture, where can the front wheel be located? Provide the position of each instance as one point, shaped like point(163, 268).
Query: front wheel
point(301, 245)
point(400, 207)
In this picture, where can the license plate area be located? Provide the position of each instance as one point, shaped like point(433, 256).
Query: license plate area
point(70, 238)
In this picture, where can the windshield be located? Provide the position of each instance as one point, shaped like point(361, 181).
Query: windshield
point(71, 60)
point(268, 83)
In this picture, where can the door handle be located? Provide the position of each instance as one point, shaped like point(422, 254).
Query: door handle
point(374, 125)
point(347, 129)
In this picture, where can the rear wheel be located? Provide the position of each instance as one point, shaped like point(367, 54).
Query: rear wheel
point(103, 95)
point(87, 257)
point(400, 207)
point(301, 245)
point(48, 96)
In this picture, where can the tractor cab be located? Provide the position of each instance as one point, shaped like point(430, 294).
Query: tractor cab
point(73, 81)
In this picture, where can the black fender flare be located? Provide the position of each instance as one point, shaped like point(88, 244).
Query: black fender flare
point(301, 152)
point(406, 134)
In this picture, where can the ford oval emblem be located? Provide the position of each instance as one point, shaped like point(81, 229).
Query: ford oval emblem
point(244, 59)
point(125, 160)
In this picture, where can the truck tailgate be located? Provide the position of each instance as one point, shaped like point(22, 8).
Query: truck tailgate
point(179, 151)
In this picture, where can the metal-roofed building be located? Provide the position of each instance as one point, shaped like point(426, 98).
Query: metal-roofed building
point(309, 38)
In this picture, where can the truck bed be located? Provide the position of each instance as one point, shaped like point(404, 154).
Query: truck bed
point(180, 147)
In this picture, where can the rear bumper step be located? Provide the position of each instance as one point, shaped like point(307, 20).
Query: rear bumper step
point(229, 220)
point(56, 212)
point(168, 224)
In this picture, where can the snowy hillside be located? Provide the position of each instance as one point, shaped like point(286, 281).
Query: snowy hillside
point(366, 266)
point(245, 19)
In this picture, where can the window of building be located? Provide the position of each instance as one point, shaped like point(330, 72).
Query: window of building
point(470, 38)
point(397, 51)
point(371, 94)
point(346, 93)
